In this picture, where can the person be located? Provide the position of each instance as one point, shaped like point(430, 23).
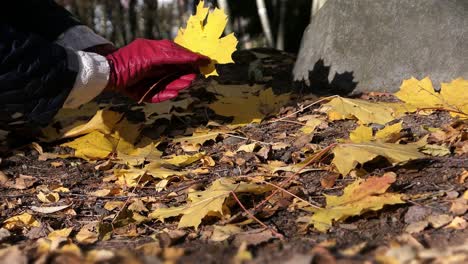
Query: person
point(49, 60)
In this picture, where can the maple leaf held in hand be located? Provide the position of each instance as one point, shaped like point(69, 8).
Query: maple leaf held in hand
point(204, 38)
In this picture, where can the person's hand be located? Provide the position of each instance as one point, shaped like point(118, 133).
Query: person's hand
point(161, 65)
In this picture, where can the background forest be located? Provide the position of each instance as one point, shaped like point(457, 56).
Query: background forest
point(260, 23)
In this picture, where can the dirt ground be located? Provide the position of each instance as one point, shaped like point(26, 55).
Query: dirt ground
point(430, 185)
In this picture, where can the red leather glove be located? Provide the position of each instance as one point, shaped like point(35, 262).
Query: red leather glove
point(145, 63)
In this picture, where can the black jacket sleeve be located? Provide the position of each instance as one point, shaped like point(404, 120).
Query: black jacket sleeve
point(36, 77)
point(42, 17)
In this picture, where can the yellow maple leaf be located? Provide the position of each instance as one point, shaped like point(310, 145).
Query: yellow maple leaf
point(24, 220)
point(364, 111)
point(364, 133)
point(205, 37)
point(103, 121)
point(348, 156)
point(92, 146)
point(183, 160)
point(87, 234)
point(358, 197)
point(453, 96)
point(209, 201)
point(251, 108)
point(199, 137)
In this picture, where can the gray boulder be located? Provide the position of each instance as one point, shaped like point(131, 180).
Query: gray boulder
point(355, 46)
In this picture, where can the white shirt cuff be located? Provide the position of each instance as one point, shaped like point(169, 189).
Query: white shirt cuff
point(92, 78)
point(80, 38)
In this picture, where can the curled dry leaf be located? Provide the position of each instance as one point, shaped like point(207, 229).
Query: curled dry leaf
point(49, 209)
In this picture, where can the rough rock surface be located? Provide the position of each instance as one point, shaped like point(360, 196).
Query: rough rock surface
point(372, 45)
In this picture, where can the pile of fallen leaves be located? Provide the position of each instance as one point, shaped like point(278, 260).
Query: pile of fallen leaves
point(225, 177)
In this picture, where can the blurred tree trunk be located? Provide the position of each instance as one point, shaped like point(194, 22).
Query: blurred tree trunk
point(263, 14)
point(151, 30)
point(281, 25)
point(130, 21)
point(119, 32)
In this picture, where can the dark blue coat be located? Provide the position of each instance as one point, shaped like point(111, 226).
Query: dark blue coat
point(36, 75)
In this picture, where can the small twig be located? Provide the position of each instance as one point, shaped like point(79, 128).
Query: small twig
point(293, 195)
point(255, 218)
point(318, 155)
point(282, 189)
point(442, 109)
point(304, 108)
point(293, 122)
point(246, 138)
point(128, 199)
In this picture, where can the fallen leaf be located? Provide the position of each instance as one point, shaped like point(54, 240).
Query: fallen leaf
point(100, 193)
point(389, 133)
point(205, 37)
point(459, 206)
point(209, 201)
point(103, 121)
point(298, 167)
point(311, 125)
point(253, 237)
point(243, 254)
point(359, 197)
point(13, 254)
point(51, 197)
point(183, 160)
point(435, 150)
point(249, 148)
point(421, 95)
point(87, 234)
point(61, 233)
point(232, 90)
point(365, 134)
point(438, 221)
point(361, 134)
point(348, 156)
point(458, 223)
point(198, 138)
point(221, 233)
point(21, 182)
point(162, 108)
point(366, 112)
point(49, 209)
point(112, 205)
point(250, 108)
point(92, 146)
point(21, 221)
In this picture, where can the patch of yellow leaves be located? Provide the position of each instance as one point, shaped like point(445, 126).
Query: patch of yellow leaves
point(24, 220)
point(349, 155)
point(205, 38)
point(364, 111)
point(359, 197)
point(207, 202)
point(453, 96)
point(365, 134)
point(250, 108)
